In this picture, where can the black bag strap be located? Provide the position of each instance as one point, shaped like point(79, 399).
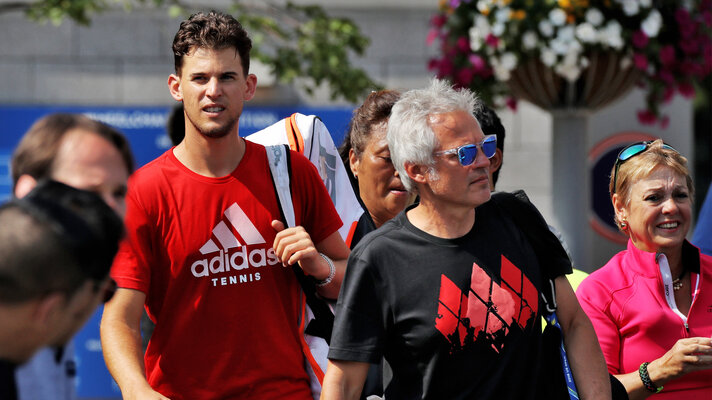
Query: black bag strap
point(545, 244)
point(323, 321)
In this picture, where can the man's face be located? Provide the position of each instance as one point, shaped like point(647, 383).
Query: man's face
point(213, 89)
point(87, 161)
point(76, 309)
point(454, 184)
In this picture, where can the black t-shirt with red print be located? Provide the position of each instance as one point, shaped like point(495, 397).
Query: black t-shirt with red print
point(455, 318)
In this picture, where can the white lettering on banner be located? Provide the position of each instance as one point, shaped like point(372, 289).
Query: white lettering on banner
point(233, 280)
point(239, 260)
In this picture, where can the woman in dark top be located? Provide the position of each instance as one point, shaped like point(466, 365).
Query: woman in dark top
point(365, 155)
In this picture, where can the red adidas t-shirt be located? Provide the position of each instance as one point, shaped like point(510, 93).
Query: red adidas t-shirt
point(225, 308)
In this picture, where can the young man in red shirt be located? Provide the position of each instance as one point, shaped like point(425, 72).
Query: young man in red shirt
point(206, 252)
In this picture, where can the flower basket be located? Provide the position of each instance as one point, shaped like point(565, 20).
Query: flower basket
point(600, 84)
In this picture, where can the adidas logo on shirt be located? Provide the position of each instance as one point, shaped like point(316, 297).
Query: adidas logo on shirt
point(231, 253)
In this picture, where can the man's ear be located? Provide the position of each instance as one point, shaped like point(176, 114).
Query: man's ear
point(251, 86)
point(354, 162)
point(496, 161)
point(25, 183)
point(416, 172)
point(174, 87)
point(48, 308)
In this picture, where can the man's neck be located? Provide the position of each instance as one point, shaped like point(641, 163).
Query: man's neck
point(442, 222)
point(211, 157)
point(16, 338)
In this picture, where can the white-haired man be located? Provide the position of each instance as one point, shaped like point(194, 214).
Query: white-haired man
point(449, 290)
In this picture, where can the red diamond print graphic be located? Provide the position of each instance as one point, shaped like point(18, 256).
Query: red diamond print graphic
point(487, 308)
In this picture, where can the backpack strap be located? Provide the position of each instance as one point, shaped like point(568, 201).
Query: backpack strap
point(279, 163)
point(544, 243)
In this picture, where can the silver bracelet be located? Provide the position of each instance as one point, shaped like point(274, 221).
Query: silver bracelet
point(332, 271)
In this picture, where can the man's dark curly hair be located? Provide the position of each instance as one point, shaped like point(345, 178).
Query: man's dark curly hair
point(214, 31)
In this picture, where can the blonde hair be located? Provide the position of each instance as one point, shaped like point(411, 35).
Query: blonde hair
point(641, 165)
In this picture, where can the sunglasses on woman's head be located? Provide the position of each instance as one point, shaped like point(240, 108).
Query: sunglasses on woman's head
point(467, 154)
point(631, 151)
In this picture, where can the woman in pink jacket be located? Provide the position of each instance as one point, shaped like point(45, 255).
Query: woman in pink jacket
point(651, 304)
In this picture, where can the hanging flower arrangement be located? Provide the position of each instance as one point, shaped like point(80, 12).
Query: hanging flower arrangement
point(668, 43)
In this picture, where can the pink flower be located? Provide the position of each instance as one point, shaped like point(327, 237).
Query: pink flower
point(686, 90)
point(668, 94)
point(640, 61)
point(664, 122)
point(446, 68)
point(682, 16)
point(438, 20)
point(463, 44)
point(432, 35)
point(646, 117)
point(464, 76)
point(690, 45)
point(667, 77)
point(492, 40)
point(640, 39)
point(433, 64)
point(667, 55)
point(478, 63)
point(512, 103)
point(707, 17)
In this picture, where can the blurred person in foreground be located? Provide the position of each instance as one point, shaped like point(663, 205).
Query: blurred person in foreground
point(650, 304)
point(86, 154)
point(57, 245)
point(206, 252)
point(416, 290)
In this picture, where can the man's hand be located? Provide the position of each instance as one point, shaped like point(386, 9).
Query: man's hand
point(294, 245)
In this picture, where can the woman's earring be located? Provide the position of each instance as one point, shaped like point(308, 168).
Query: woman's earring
point(624, 224)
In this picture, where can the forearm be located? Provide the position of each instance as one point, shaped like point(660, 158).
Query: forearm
point(587, 362)
point(331, 290)
point(121, 345)
point(584, 352)
point(344, 380)
point(634, 386)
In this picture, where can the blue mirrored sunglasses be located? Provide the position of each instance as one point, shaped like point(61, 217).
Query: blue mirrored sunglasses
point(631, 151)
point(467, 154)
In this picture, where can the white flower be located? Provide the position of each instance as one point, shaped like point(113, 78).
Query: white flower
point(630, 7)
point(557, 17)
point(500, 71)
point(583, 62)
point(611, 35)
point(569, 72)
point(566, 33)
point(559, 46)
point(482, 24)
point(586, 32)
point(546, 28)
point(651, 25)
point(594, 16)
point(502, 15)
point(475, 39)
point(529, 40)
point(548, 57)
point(569, 67)
point(499, 101)
point(646, 3)
point(564, 40)
point(484, 5)
point(509, 61)
point(626, 62)
point(498, 29)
